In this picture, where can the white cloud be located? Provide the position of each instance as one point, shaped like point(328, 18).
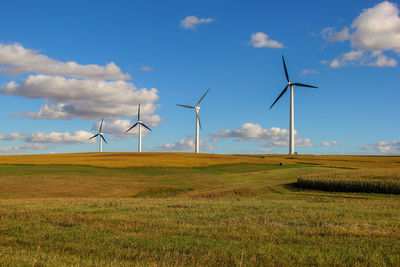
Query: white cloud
point(261, 39)
point(382, 61)
point(374, 31)
point(308, 71)
point(374, 58)
point(11, 136)
point(331, 35)
point(25, 147)
point(336, 143)
point(335, 63)
point(184, 145)
point(273, 137)
point(39, 140)
point(119, 127)
point(383, 147)
point(191, 22)
point(89, 99)
point(70, 90)
point(377, 28)
point(59, 138)
point(147, 68)
point(352, 55)
point(18, 59)
point(53, 137)
point(346, 58)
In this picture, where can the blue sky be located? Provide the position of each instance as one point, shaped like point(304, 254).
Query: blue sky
point(163, 53)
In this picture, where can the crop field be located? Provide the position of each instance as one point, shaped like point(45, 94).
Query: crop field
point(386, 181)
point(182, 209)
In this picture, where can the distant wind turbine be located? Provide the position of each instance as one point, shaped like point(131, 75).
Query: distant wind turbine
point(101, 136)
point(197, 108)
point(139, 123)
point(291, 122)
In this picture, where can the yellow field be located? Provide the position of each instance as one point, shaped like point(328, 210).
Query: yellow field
point(183, 209)
point(155, 159)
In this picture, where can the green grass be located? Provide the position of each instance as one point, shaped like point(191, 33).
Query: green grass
point(312, 230)
point(242, 214)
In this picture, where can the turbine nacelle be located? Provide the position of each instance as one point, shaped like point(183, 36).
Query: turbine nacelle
point(100, 134)
point(140, 123)
point(289, 84)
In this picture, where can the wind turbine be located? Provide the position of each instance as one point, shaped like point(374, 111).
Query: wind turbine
point(101, 135)
point(197, 108)
point(139, 123)
point(291, 122)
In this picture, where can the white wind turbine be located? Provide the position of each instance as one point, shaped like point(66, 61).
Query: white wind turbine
point(139, 123)
point(197, 108)
point(291, 122)
point(101, 136)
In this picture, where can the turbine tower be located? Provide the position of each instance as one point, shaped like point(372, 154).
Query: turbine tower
point(139, 123)
point(198, 124)
point(291, 121)
point(99, 133)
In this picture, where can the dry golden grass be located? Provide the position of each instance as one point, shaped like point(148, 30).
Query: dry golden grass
point(125, 160)
point(156, 159)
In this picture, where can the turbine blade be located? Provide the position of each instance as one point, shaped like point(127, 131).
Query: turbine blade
point(304, 85)
point(202, 97)
point(138, 113)
point(131, 127)
point(185, 106)
point(284, 66)
point(101, 125)
point(145, 126)
point(198, 117)
point(284, 90)
point(93, 136)
point(102, 137)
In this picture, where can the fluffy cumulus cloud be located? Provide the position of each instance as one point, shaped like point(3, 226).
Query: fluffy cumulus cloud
point(191, 22)
point(70, 90)
point(59, 138)
point(16, 59)
point(53, 137)
point(383, 147)
point(41, 141)
point(185, 145)
point(23, 148)
point(75, 98)
point(377, 28)
point(374, 31)
point(374, 58)
point(273, 137)
point(260, 39)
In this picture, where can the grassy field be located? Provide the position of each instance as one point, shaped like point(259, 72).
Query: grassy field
point(177, 209)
